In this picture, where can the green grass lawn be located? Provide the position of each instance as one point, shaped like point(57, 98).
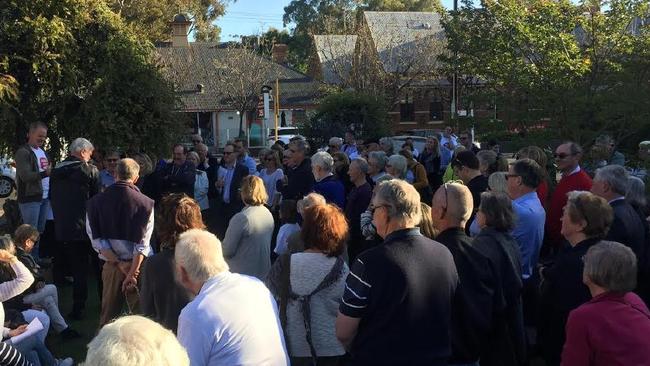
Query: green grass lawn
point(76, 348)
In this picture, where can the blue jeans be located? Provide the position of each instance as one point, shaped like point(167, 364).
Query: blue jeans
point(35, 351)
point(35, 214)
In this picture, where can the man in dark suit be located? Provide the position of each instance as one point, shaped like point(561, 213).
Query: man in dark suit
point(628, 228)
point(227, 200)
point(179, 175)
point(300, 180)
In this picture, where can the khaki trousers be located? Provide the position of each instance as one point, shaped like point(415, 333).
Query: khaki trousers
point(113, 298)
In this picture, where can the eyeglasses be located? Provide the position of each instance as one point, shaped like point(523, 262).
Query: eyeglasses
point(374, 208)
point(463, 137)
point(561, 156)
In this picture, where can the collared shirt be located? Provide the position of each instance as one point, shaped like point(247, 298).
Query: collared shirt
point(529, 230)
point(249, 163)
point(351, 151)
point(617, 199)
point(574, 171)
point(123, 249)
point(232, 321)
point(106, 178)
point(377, 176)
point(226, 173)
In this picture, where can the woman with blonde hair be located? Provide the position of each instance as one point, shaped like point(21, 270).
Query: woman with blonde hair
point(426, 225)
point(247, 244)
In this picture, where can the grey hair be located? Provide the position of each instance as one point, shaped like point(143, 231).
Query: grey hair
point(380, 157)
point(460, 203)
point(604, 140)
point(386, 141)
point(401, 200)
point(362, 163)
point(114, 344)
point(574, 148)
point(145, 163)
point(635, 194)
point(323, 160)
point(336, 141)
point(398, 162)
point(79, 144)
point(498, 182)
point(199, 253)
point(615, 176)
point(310, 200)
point(612, 266)
point(127, 169)
point(301, 145)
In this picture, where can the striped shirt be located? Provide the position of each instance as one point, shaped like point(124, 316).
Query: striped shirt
point(9, 356)
point(357, 291)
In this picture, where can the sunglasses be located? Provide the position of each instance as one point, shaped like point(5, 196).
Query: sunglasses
point(561, 155)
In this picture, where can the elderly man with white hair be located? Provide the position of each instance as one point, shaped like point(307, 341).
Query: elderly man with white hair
point(396, 308)
point(327, 184)
point(72, 183)
point(135, 341)
point(120, 223)
point(628, 227)
point(233, 320)
point(334, 145)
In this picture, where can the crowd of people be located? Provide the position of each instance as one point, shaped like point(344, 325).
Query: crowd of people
point(359, 253)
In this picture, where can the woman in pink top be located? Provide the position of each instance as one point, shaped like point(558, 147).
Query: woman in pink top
point(611, 329)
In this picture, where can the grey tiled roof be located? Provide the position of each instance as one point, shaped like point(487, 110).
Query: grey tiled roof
point(193, 65)
point(397, 35)
point(335, 55)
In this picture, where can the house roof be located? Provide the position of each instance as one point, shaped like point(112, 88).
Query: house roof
point(335, 55)
point(193, 66)
point(400, 35)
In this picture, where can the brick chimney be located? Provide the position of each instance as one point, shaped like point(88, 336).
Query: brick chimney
point(279, 53)
point(180, 30)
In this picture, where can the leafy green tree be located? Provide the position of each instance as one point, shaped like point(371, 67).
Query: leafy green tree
point(343, 111)
point(83, 72)
point(580, 68)
point(151, 18)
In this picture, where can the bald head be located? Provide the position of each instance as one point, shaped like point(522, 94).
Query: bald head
point(452, 206)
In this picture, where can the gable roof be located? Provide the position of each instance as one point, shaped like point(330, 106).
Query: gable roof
point(195, 64)
point(335, 55)
point(399, 35)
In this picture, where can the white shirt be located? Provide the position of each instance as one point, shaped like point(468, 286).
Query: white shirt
point(43, 163)
point(201, 186)
point(270, 181)
point(281, 243)
point(232, 321)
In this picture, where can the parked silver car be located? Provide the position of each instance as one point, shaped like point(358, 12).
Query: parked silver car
point(7, 177)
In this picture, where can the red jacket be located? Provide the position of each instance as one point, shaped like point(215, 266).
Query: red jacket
point(579, 181)
point(610, 330)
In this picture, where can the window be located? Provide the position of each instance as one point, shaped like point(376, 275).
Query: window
point(435, 111)
point(407, 109)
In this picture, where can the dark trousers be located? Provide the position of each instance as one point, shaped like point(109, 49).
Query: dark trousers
point(221, 215)
point(82, 261)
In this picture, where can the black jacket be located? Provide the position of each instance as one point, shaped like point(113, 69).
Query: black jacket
point(506, 343)
point(72, 183)
point(177, 179)
point(475, 297)
point(562, 291)
point(301, 182)
point(241, 171)
point(628, 228)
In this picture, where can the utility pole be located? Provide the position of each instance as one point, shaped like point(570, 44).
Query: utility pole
point(455, 76)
